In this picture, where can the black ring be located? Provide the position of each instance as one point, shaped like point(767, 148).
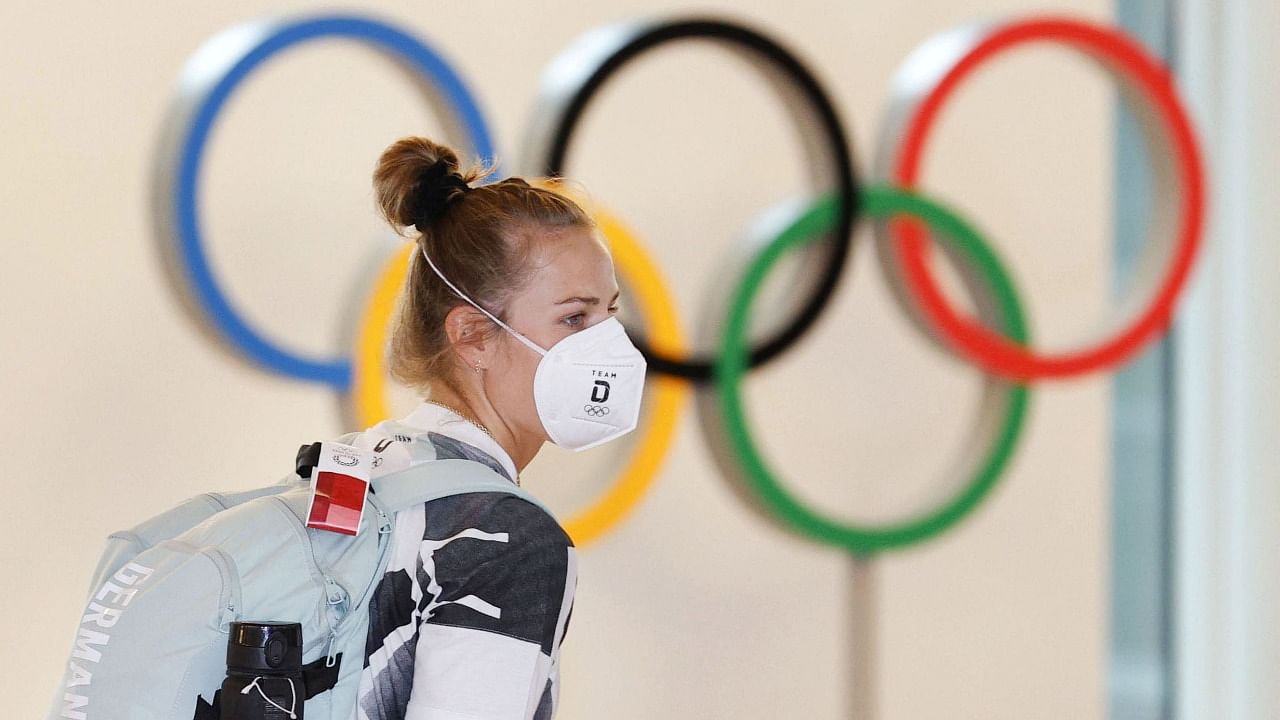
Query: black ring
point(607, 51)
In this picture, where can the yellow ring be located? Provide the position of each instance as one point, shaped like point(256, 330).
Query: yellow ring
point(658, 425)
point(368, 364)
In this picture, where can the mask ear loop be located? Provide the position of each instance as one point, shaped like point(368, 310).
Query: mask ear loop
point(529, 343)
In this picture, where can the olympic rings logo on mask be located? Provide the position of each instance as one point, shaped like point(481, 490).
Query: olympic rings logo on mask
point(908, 225)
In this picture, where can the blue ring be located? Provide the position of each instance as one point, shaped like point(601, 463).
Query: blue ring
point(420, 59)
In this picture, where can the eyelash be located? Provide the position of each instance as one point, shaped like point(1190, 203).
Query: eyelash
point(579, 316)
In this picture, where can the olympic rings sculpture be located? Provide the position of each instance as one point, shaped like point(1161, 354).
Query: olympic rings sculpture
point(821, 230)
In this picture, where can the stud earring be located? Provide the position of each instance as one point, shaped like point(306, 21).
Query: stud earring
point(477, 367)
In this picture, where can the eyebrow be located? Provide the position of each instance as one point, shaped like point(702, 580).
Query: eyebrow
point(587, 300)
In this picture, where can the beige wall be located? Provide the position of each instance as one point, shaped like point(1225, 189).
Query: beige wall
point(116, 406)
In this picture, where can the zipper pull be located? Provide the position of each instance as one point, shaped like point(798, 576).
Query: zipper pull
point(384, 524)
point(334, 593)
point(330, 656)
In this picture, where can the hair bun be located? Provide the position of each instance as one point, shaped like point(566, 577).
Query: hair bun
point(416, 179)
point(437, 188)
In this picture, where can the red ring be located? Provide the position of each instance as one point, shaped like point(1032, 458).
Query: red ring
point(994, 352)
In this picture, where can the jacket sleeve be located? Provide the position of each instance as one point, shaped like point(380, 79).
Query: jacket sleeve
point(497, 579)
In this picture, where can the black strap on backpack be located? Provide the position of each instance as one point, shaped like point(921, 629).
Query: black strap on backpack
point(308, 459)
point(318, 676)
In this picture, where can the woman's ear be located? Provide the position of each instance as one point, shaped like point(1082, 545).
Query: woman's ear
point(467, 330)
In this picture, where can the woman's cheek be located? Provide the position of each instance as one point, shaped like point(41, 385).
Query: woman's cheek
point(530, 407)
point(513, 381)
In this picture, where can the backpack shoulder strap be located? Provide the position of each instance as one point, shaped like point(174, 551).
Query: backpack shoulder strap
point(433, 479)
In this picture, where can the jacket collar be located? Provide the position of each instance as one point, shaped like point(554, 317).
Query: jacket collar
point(433, 418)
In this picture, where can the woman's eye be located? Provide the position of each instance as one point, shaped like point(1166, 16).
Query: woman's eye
point(576, 320)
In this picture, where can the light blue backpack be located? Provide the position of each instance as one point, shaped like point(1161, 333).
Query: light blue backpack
point(152, 642)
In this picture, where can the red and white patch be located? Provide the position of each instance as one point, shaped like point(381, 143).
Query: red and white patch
point(339, 485)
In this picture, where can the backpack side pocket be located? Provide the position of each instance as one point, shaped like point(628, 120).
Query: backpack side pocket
point(149, 639)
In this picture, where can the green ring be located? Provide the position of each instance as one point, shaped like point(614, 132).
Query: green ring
point(878, 202)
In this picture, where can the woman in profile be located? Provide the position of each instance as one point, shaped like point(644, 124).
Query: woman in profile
point(507, 329)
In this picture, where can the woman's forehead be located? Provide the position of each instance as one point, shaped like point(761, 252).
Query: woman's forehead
point(572, 264)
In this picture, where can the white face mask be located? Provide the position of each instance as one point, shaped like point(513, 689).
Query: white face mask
point(588, 386)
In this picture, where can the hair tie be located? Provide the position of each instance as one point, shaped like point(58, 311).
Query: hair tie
point(437, 188)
